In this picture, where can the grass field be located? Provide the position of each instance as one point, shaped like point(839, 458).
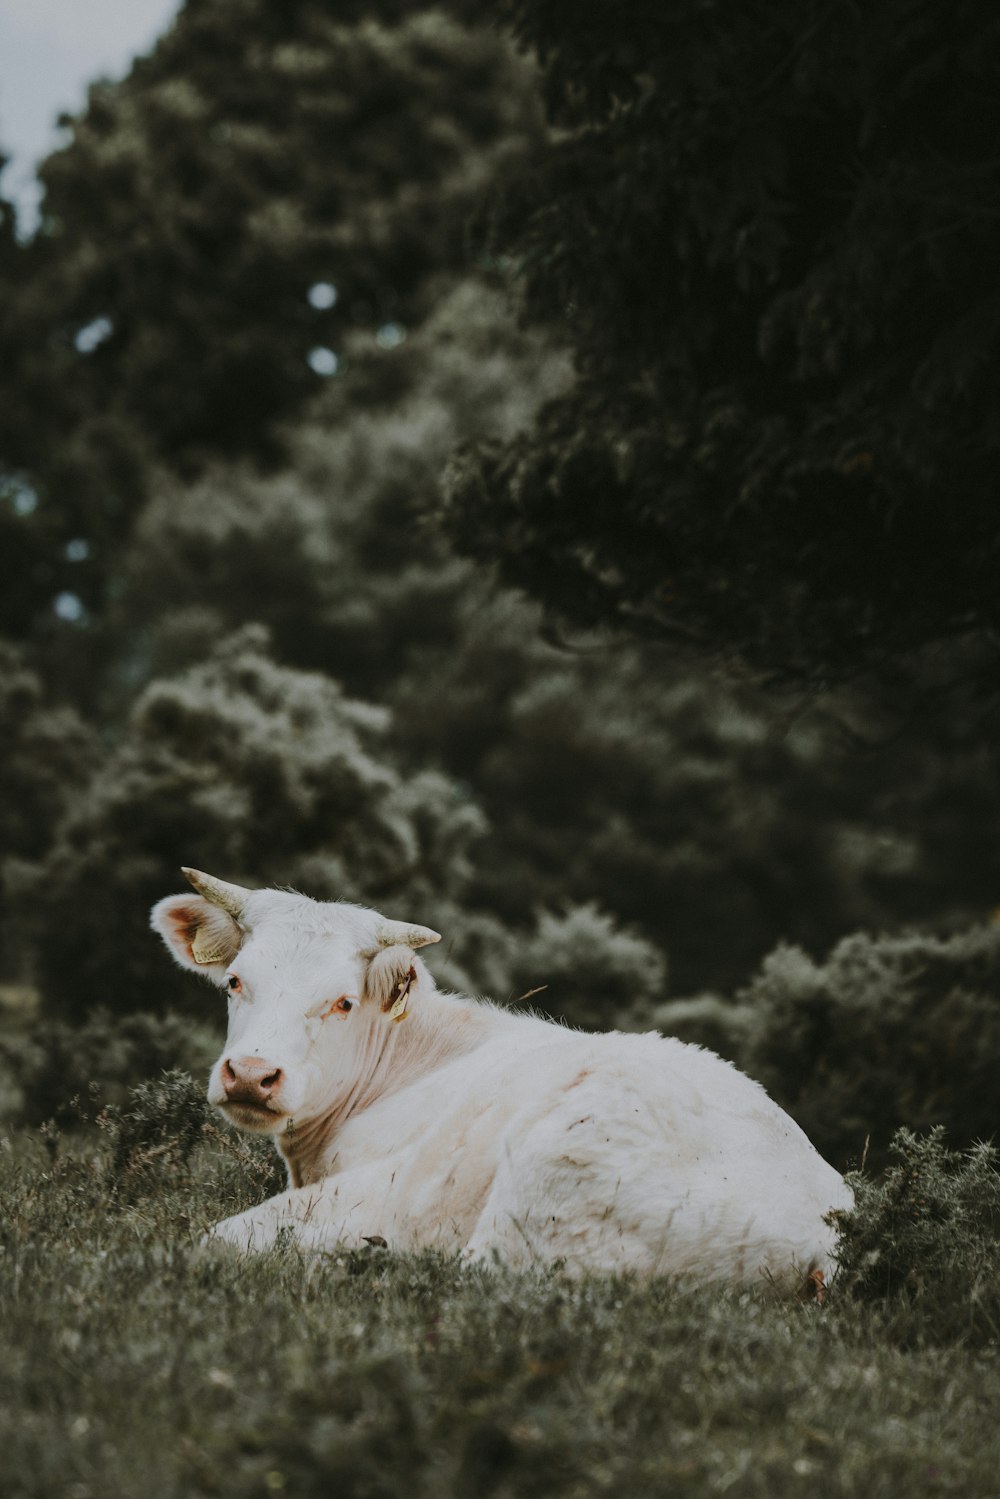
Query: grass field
point(136, 1365)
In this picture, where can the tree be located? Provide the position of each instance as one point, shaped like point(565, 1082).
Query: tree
point(270, 184)
point(771, 233)
point(688, 807)
point(48, 754)
point(633, 809)
point(886, 1030)
point(243, 766)
point(583, 967)
point(331, 549)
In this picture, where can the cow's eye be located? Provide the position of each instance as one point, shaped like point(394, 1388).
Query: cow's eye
point(342, 1006)
point(234, 984)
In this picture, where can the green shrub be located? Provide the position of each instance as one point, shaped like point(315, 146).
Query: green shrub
point(924, 1237)
point(257, 772)
point(706, 1020)
point(157, 1132)
point(69, 1072)
point(165, 1118)
point(888, 1031)
point(48, 754)
point(586, 968)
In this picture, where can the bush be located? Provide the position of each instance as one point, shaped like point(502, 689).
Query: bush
point(166, 1118)
point(587, 969)
point(157, 1132)
point(706, 1020)
point(925, 1234)
point(48, 753)
point(256, 772)
point(69, 1072)
point(888, 1031)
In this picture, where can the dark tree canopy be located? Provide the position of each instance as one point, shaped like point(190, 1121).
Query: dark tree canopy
point(771, 231)
point(709, 223)
point(272, 182)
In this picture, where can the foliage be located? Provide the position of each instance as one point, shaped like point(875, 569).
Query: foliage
point(66, 1072)
point(154, 1137)
point(166, 1118)
point(888, 1030)
point(615, 781)
point(587, 968)
point(269, 184)
point(239, 764)
point(712, 821)
point(47, 755)
point(330, 550)
point(708, 1020)
point(766, 451)
point(283, 672)
point(924, 1238)
point(137, 1363)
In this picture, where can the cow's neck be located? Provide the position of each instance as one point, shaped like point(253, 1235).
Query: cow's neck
point(437, 1028)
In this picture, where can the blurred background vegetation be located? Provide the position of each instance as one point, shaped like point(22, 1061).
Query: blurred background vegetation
point(529, 468)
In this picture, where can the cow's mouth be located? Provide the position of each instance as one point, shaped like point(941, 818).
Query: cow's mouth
point(251, 1113)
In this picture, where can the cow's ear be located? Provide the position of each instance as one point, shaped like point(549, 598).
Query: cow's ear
point(200, 935)
point(393, 978)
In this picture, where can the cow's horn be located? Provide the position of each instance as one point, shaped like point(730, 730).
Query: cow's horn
point(405, 933)
point(231, 898)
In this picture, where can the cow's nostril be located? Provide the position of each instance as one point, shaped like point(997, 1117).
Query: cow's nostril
point(250, 1079)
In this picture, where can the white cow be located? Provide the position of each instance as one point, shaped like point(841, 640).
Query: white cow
point(423, 1118)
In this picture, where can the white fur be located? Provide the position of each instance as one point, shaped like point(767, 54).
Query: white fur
point(470, 1127)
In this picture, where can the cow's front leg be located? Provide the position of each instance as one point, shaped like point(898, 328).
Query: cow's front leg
point(288, 1214)
point(344, 1209)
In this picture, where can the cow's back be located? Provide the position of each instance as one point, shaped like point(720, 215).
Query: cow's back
point(610, 1151)
point(660, 1157)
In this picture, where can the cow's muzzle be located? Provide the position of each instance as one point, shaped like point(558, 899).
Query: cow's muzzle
point(252, 1082)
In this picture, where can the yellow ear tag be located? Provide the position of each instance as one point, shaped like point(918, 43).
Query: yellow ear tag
point(204, 950)
point(398, 1011)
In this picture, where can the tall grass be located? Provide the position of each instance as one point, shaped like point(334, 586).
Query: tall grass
point(138, 1365)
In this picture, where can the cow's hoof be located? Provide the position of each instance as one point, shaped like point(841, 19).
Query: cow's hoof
point(814, 1288)
point(210, 1246)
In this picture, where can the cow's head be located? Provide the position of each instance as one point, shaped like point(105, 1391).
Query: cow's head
point(312, 987)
